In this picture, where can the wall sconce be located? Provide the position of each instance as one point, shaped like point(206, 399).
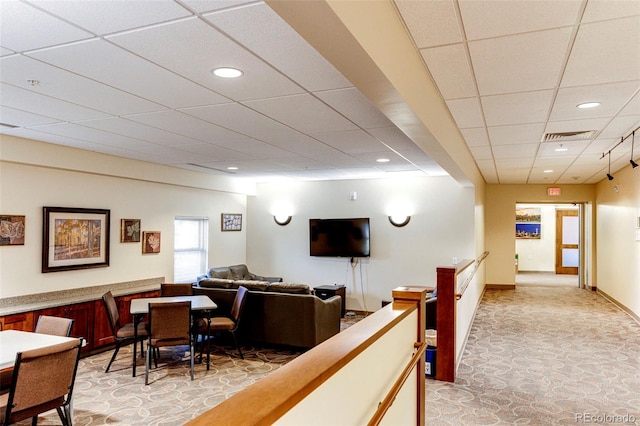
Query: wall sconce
point(399, 220)
point(282, 219)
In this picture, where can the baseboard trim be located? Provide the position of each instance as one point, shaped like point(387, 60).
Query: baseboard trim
point(619, 305)
point(500, 286)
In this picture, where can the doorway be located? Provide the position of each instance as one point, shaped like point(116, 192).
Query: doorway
point(552, 254)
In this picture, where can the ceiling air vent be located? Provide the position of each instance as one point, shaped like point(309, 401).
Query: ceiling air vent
point(569, 136)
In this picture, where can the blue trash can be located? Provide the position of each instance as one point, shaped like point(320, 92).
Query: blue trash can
point(430, 361)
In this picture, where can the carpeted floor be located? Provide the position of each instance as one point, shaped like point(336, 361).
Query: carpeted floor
point(543, 356)
point(535, 356)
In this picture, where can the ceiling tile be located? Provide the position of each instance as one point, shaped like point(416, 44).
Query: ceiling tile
point(15, 117)
point(351, 141)
point(187, 125)
point(276, 42)
point(26, 100)
point(69, 87)
point(355, 106)
point(95, 136)
point(171, 46)
point(574, 148)
point(466, 112)
point(431, 23)
point(476, 136)
point(612, 98)
point(302, 112)
point(481, 152)
point(108, 64)
point(601, 10)
point(23, 28)
point(103, 17)
point(393, 138)
point(449, 66)
point(517, 108)
point(516, 134)
point(605, 52)
point(486, 19)
point(519, 63)
point(501, 152)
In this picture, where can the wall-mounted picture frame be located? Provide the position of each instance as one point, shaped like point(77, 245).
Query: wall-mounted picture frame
point(231, 222)
point(74, 238)
point(12, 230)
point(151, 242)
point(528, 223)
point(130, 230)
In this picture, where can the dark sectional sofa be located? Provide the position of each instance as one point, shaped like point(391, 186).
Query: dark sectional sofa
point(275, 313)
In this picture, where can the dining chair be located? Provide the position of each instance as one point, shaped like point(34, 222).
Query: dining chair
point(169, 325)
point(168, 289)
point(122, 333)
point(57, 326)
point(42, 380)
point(229, 324)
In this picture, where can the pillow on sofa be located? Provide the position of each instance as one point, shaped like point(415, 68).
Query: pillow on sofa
point(251, 285)
point(238, 272)
point(222, 272)
point(215, 283)
point(289, 288)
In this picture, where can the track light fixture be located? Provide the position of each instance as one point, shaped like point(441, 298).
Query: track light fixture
point(609, 173)
point(633, 141)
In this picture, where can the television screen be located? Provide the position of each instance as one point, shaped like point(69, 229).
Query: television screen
point(339, 237)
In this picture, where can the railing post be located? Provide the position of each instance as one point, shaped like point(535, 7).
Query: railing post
point(446, 324)
point(416, 295)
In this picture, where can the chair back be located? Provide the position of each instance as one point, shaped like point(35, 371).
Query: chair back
point(238, 304)
point(41, 379)
point(167, 289)
point(113, 315)
point(170, 323)
point(54, 325)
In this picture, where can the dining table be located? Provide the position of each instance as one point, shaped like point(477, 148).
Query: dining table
point(140, 308)
point(14, 341)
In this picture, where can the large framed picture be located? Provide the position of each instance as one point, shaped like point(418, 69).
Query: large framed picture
point(74, 238)
point(231, 222)
point(528, 223)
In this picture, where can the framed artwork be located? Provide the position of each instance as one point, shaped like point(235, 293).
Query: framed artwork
point(129, 230)
point(151, 242)
point(231, 221)
point(11, 230)
point(528, 223)
point(74, 238)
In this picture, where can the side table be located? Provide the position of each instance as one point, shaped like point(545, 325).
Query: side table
point(326, 291)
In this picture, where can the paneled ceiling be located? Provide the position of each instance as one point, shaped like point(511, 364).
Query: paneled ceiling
point(133, 79)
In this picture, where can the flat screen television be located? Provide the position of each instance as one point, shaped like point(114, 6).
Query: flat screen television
point(339, 237)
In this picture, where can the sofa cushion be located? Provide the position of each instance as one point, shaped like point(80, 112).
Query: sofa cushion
point(289, 288)
point(222, 272)
point(251, 285)
point(238, 272)
point(215, 283)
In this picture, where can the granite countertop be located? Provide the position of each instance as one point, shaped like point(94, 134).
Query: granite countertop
point(32, 302)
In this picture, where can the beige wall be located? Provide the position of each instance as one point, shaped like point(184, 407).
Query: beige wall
point(617, 246)
point(34, 174)
point(500, 221)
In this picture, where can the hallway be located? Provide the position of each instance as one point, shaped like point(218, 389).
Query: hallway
point(543, 356)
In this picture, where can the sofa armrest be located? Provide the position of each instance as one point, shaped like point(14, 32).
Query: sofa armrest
point(201, 277)
point(328, 314)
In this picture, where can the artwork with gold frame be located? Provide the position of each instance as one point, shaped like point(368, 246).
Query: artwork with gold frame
point(231, 222)
point(12, 230)
point(151, 242)
point(129, 230)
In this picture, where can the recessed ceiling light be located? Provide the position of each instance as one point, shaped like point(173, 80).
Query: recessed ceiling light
point(588, 105)
point(548, 171)
point(383, 160)
point(232, 168)
point(226, 72)
point(561, 149)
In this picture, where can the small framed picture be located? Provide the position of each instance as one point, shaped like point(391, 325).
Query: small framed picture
point(151, 242)
point(231, 221)
point(11, 230)
point(129, 230)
